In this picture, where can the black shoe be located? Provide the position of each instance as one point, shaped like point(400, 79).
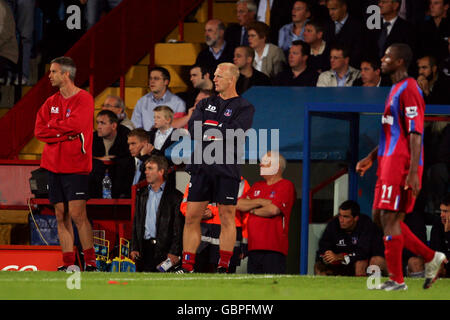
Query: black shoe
point(62, 268)
point(91, 269)
point(221, 270)
point(181, 270)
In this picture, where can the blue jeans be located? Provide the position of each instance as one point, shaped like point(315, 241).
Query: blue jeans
point(94, 9)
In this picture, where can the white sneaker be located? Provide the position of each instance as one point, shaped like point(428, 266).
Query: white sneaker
point(432, 268)
point(392, 285)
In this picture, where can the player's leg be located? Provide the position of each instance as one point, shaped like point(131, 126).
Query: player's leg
point(227, 238)
point(65, 233)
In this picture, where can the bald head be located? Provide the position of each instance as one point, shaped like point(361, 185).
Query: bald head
point(214, 32)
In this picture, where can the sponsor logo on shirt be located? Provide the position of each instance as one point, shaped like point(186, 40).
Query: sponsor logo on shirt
point(54, 110)
point(341, 243)
point(211, 108)
point(272, 194)
point(257, 192)
point(387, 119)
point(68, 113)
point(227, 112)
point(411, 112)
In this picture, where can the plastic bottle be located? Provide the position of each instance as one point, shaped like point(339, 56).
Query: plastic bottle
point(165, 265)
point(106, 186)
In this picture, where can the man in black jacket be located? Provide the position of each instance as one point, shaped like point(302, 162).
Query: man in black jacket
point(350, 243)
point(158, 222)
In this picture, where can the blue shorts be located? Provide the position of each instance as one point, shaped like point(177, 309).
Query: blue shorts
point(219, 189)
point(64, 187)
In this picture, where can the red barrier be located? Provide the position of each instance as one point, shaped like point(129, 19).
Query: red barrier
point(30, 258)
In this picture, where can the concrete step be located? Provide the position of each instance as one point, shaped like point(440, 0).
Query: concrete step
point(194, 32)
point(169, 53)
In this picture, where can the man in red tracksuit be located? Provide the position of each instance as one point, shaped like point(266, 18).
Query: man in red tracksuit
point(65, 123)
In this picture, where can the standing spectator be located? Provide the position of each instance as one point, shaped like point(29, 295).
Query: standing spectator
point(140, 148)
point(301, 12)
point(341, 73)
point(236, 33)
point(249, 76)
point(349, 244)
point(95, 9)
point(116, 105)
point(371, 75)
point(434, 32)
point(269, 59)
point(64, 123)
point(346, 30)
point(440, 234)
point(218, 50)
point(270, 203)
point(434, 86)
point(158, 222)
point(299, 74)
point(9, 50)
point(319, 59)
point(159, 95)
point(274, 13)
point(110, 144)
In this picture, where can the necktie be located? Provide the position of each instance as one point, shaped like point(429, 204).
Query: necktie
point(244, 41)
point(338, 27)
point(268, 13)
point(382, 39)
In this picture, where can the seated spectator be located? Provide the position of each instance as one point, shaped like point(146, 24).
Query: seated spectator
point(95, 9)
point(345, 29)
point(110, 144)
point(299, 74)
point(371, 75)
point(181, 122)
point(435, 88)
point(301, 12)
point(413, 265)
point(444, 68)
point(269, 59)
point(218, 50)
point(236, 33)
point(140, 149)
point(275, 16)
point(158, 223)
point(159, 95)
point(116, 105)
point(270, 203)
point(440, 234)
point(200, 78)
point(349, 244)
point(434, 32)
point(319, 59)
point(9, 50)
point(249, 76)
point(161, 133)
point(341, 73)
point(207, 255)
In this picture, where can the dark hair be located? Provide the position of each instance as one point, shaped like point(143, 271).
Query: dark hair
point(307, 2)
point(432, 60)
point(140, 133)
point(203, 69)
point(164, 71)
point(404, 52)
point(161, 162)
point(262, 29)
point(306, 48)
point(446, 200)
point(351, 205)
point(341, 47)
point(111, 116)
point(317, 24)
point(374, 63)
point(250, 52)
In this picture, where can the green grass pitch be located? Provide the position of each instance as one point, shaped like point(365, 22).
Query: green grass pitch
point(153, 286)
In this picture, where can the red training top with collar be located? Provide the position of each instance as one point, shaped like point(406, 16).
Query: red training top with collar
point(403, 114)
point(271, 233)
point(56, 121)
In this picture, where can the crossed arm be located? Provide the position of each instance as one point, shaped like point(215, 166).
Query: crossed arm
point(260, 207)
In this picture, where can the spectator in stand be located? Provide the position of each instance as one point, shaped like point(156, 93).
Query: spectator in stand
point(161, 133)
point(299, 73)
point(349, 244)
point(218, 50)
point(434, 32)
point(346, 30)
point(110, 144)
point(435, 88)
point(319, 59)
point(341, 73)
point(276, 15)
point(95, 9)
point(371, 75)
point(269, 203)
point(158, 222)
point(249, 76)
point(301, 13)
point(9, 50)
point(269, 59)
point(440, 234)
point(159, 80)
point(200, 78)
point(181, 122)
point(236, 33)
point(207, 256)
point(116, 105)
point(140, 149)
point(394, 29)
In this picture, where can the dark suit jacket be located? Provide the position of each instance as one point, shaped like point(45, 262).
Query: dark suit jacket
point(257, 79)
point(169, 223)
point(233, 34)
point(280, 14)
point(205, 57)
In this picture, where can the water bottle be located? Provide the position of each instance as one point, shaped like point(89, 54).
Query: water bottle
point(165, 265)
point(107, 185)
